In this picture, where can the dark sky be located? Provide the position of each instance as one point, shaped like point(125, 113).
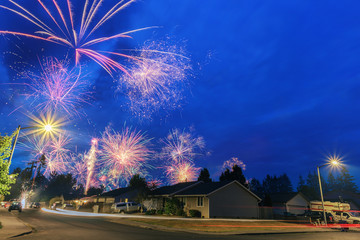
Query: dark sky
point(275, 83)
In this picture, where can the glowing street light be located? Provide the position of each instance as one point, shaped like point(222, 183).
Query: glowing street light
point(46, 125)
point(333, 161)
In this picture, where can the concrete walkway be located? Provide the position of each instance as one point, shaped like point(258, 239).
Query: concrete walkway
point(11, 225)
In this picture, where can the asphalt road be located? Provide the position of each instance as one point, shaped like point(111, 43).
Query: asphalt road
point(52, 226)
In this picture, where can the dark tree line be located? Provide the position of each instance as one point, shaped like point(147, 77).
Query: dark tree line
point(271, 185)
point(343, 182)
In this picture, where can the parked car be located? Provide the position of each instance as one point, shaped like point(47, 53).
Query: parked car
point(68, 206)
point(35, 205)
point(15, 206)
point(125, 207)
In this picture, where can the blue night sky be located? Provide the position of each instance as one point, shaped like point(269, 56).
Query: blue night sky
point(275, 83)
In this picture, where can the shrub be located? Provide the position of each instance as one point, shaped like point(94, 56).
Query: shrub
point(194, 213)
point(150, 212)
point(172, 206)
point(160, 211)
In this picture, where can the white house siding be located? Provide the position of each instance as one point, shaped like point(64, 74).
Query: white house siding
point(297, 205)
point(234, 202)
point(191, 204)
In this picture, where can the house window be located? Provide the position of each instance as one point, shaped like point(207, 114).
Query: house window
point(200, 201)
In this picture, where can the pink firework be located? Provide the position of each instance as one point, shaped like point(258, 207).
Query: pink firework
point(78, 168)
point(124, 154)
point(58, 155)
point(60, 28)
point(229, 164)
point(180, 146)
point(58, 87)
point(34, 144)
point(158, 79)
point(91, 158)
point(182, 172)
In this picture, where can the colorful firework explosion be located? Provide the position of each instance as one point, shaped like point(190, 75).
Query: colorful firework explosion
point(124, 154)
point(91, 158)
point(61, 28)
point(180, 146)
point(182, 172)
point(58, 87)
point(78, 168)
point(156, 81)
point(58, 155)
point(229, 164)
point(35, 145)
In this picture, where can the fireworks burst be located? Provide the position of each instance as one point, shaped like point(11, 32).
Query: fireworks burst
point(124, 154)
point(182, 172)
point(35, 145)
point(58, 155)
point(180, 146)
point(61, 28)
point(154, 82)
point(179, 152)
point(58, 87)
point(229, 164)
point(78, 168)
point(90, 163)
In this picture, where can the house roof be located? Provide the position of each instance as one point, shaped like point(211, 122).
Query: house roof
point(203, 188)
point(210, 188)
point(173, 189)
point(285, 197)
point(117, 192)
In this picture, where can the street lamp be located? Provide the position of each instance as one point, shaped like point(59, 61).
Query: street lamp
point(333, 161)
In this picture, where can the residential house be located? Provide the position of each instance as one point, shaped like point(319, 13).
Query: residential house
point(284, 204)
point(212, 199)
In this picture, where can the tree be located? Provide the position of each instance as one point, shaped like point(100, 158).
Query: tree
point(284, 184)
point(256, 187)
point(5, 150)
point(235, 174)
point(301, 183)
point(62, 184)
point(346, 181)
point(139, 183)
point(204, 175)
point(331, 183)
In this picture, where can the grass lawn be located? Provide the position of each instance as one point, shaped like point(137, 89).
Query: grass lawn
point(220, 226)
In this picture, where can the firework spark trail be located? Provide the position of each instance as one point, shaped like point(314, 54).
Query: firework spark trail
point(91, 158)
point(180, 146)
point(156, 81)
point(229, 164)
point(78, 168)
point(124, 154)
point(182, 172)
point(179, 152)
point(57, 87)
point(66, 34)
point(58, 155)
point(35, 145)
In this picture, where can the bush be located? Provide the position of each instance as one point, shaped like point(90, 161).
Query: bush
point(173, 206)
point(194, 213)
point(150, 212)
point(160, 212)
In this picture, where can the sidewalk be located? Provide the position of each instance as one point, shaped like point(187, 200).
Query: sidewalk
point(11, 225)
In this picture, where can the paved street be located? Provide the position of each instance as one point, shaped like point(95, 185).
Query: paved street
point(51, 226)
